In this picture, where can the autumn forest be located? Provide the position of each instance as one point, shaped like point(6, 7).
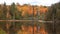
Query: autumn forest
point(29, 19)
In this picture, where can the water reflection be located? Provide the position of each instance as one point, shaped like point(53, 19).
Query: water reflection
point(26, 27)
point(38, 29)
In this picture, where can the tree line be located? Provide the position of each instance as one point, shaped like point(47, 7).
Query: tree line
point(53, 14)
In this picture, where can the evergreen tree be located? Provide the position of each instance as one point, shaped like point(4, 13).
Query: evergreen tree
point(13, 10)
point(4, 11)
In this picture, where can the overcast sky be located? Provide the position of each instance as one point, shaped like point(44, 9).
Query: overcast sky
point(32, 2)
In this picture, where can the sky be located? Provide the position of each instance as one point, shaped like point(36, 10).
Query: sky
point(32, 2)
